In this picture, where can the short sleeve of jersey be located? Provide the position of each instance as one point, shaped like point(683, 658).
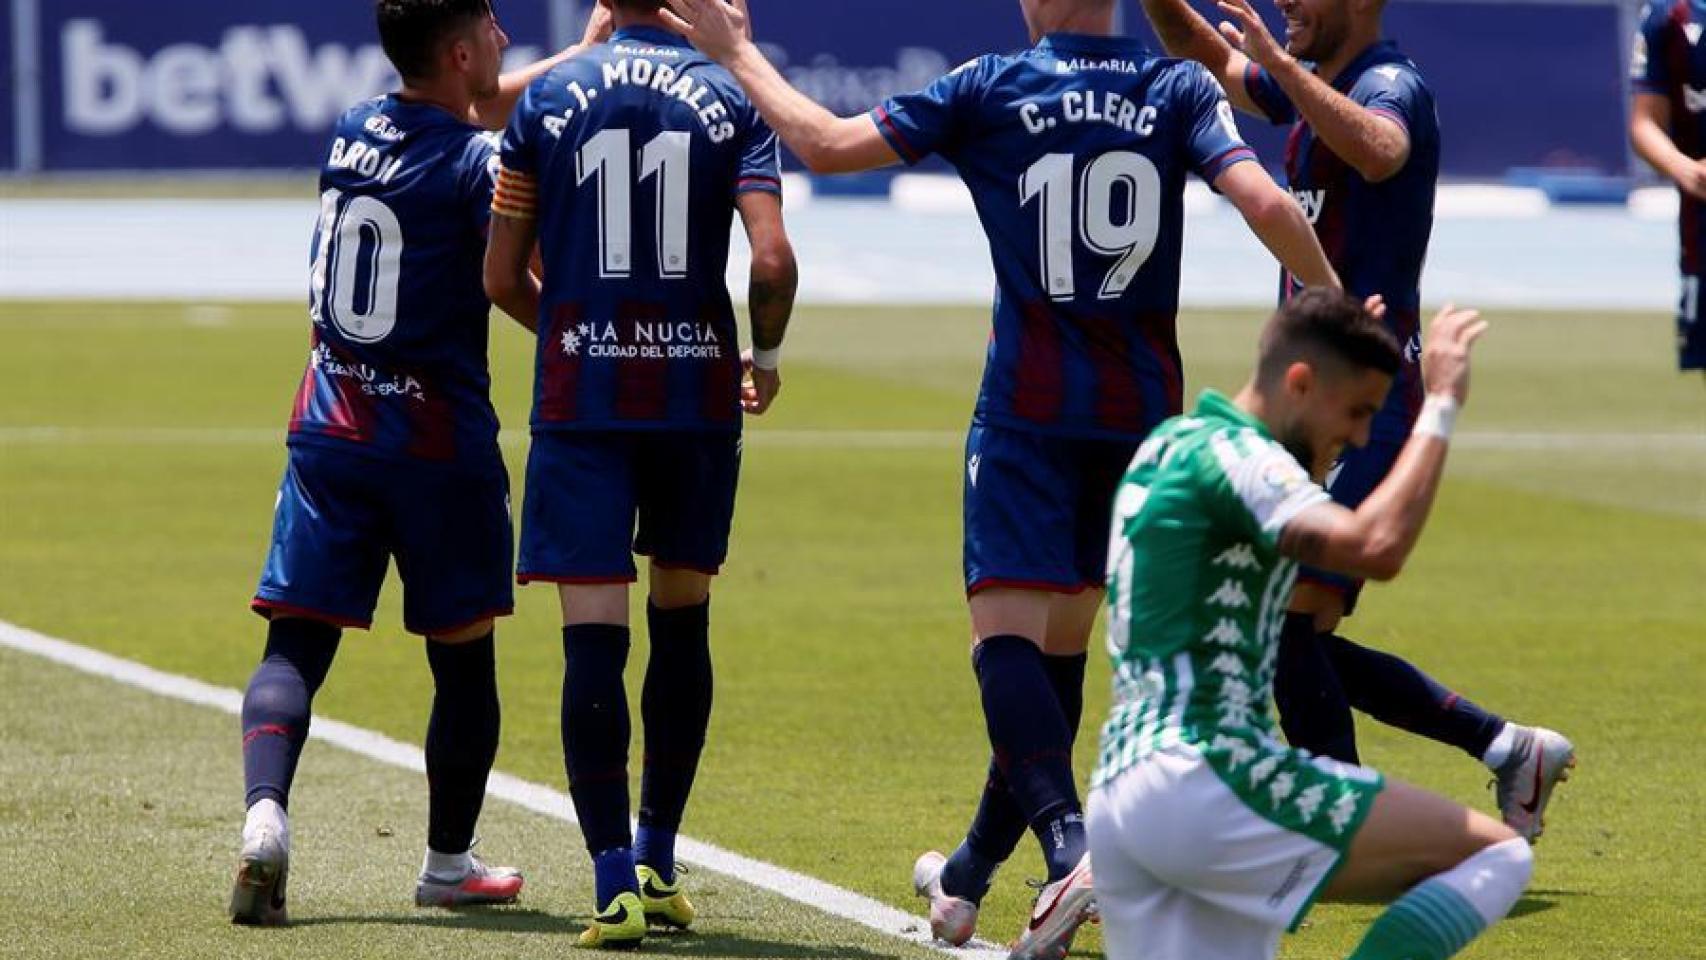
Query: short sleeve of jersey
point(1213, 142)
point(760, 160)
point(1393, 91)
point(1268, 96)
point(1260, 486)
point(520, 148)
point(479, 177)
point(933, 120)
point(1649, 68)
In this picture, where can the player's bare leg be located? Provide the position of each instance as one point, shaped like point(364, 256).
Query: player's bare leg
point(675, 708)
point(596, 731)
point(461, 746)
point(1450, 873)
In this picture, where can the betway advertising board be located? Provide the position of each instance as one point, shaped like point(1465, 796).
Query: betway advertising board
point(212, 84)
point(256, 84)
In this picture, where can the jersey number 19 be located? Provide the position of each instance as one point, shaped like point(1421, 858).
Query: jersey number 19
point(1128, 178)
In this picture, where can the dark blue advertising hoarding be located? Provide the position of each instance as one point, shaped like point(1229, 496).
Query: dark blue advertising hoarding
point(217, 85)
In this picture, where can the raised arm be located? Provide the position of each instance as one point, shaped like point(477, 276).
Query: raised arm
point(770, 300)
point(493, 112)
point(1649, 134)
point(824, 142)
point(1374, 540)
point(1277, 220)
point(1186, 34)
point(1375, 145)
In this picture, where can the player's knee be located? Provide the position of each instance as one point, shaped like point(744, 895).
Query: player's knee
point(675, 588)
point(467, 634)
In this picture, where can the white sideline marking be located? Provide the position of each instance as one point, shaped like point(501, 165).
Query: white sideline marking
point(1494, 440)
point(540, 799)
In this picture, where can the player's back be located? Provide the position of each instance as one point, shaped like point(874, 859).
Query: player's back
point(400, 315)
point(638, 149)
point(1076, 154)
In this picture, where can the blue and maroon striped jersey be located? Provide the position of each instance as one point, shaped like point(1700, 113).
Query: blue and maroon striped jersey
point(1076, 152)
point(631, 156)
point(1670, 62)
point(398, 364)
point(1375, 234)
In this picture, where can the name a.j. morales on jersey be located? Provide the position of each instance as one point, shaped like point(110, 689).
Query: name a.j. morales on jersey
point(661, 79)
point(1089, 106)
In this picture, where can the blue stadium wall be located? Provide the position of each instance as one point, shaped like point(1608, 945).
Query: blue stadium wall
point(190, 85)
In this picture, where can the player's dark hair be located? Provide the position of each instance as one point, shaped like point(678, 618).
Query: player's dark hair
point(414, 31)
point(1323, 325)
point(639, 6)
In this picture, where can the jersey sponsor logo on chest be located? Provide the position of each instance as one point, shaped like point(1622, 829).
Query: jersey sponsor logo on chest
point(1312, 202)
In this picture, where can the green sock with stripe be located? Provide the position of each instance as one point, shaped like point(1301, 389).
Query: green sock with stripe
point(1431, 922)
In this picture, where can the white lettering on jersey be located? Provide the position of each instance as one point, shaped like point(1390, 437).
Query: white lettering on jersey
point(665, 80)
point(1090, 106)
point(368, 161)
point(1312, 202)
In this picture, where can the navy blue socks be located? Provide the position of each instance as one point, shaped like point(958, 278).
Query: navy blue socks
point(1028, 729)
point(675, 708)
point(596, 731)
point(1391, 690)
point(996, 829)
point(1313, 709)
point(461, 741)
point(278, 704)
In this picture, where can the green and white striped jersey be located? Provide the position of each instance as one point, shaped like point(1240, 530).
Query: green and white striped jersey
point(1197, 594)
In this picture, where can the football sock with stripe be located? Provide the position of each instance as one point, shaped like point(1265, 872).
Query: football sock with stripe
point(1032, 744)
point(1313, 709)
point(1393, 691)
point(998, 826)
point(675, 707)
point(1440, 916)
point(461, 740)
point(279, 702)
point(596, 731)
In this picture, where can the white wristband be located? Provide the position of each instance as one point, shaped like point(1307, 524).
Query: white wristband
point(1438, 416)
point(767, 360)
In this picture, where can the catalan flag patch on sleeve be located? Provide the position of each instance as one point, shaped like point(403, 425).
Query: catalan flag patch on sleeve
point(516, 196)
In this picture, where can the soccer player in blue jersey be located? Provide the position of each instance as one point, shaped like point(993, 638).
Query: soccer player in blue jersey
point(627, 166)
point(1669, 68)
point(393, 450)
point(1076, 153)
point(1363, 160)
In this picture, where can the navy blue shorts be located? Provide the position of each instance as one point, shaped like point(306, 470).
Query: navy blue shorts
point(1690, 332)
point(341, 517)
point(1354, 477)
point(588, 490)
point(1038, 508)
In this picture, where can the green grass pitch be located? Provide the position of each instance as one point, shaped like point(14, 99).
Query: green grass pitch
point(1561, 582)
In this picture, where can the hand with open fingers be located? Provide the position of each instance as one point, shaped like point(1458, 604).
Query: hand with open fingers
point(1376, 306)
point(759, 388)
point(1248, 33)
point(717, 27)
point(1445, 357)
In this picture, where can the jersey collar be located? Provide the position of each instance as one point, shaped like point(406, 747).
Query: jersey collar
point(1055, 43)
point(1214, 405)
point(1380, 51)
point(651, 36)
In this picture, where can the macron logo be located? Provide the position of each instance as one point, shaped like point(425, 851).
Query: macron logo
point(1692, 31)
point(972, 466)
point(1694, 100)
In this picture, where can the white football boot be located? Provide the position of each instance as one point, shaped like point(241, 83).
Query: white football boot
point(1061, 908)
point(953, 920)
point(263, 867)
point(1540, 759)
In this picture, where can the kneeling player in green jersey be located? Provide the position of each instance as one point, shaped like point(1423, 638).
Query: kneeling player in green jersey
point(1209, 836)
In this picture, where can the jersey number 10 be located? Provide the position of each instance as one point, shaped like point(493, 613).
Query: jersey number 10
point(607, 158)
point(357, 267)
point(1129, 178)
